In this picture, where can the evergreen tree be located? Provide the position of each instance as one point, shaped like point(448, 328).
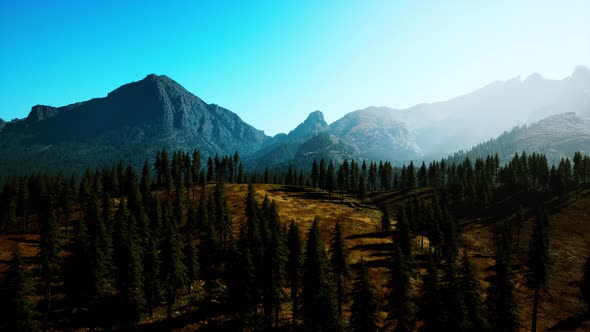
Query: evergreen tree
point(190, 261)
point(339, 261)
point(294, 265)
point(315, 174)
point(363, 316)
point(538, 257)
point(400, 298)
point(129, 264)
point(19, 314)
point(152, 259)
point(470, 286)
point(402, 236)
point(501, 301)
point(320, 311)
point(50, 255)
point(173, 269)
point(585, 285)
point(431, 304)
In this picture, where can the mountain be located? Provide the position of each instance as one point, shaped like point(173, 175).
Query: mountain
point(377, 133)
point(2, 124)
point(314, 124)
point(557, 136)
point(459, 123)
point(132, 121)
point(307, 141)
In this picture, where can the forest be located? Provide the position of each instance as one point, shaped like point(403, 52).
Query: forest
point(171, 248)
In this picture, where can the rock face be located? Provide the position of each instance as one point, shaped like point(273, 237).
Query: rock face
point(377, 134)
point(314, 124)
point(132, 121)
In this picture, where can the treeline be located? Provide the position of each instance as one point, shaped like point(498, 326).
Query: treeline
point(118, 245)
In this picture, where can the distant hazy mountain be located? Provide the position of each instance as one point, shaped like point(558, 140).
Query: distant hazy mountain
point(132, 122)
point(557, 136)
point(460, 123)
point(377, 134)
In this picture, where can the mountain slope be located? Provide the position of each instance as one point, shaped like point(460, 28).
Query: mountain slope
point(461, 122)
point(137, 118)
point(377, 134)
point(557, 136)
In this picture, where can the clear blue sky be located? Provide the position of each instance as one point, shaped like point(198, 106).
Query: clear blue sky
point(273, 62)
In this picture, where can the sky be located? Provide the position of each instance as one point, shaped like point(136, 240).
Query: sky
point(274, 62)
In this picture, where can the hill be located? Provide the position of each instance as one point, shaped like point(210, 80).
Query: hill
point(557, 136)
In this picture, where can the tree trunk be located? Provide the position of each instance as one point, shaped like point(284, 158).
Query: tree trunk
point(535, 309)
point(295, 304)
point(47, 304)
point(339, 295)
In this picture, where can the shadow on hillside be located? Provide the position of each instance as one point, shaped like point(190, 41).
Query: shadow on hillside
point(388, 247)
point(570, 323)
point(372, 235)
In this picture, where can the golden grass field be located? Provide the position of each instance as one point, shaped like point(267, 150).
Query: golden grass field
point(560, 307)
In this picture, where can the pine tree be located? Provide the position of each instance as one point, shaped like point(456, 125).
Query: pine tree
point(315, 174)
point(152, 260)
point(294, 265)
point(339, 261)
point(400, 298)
point(276, 259)
point(363, 316)
point(128, 264)
point(431, 304)
point(19, 314)
point(320, 311)
point(173, 269)
point(190, 260)
point(470, 286)
point(402, 235)
point(538, 257)
point(585, 285)
point(50, 255)
point(501, 301)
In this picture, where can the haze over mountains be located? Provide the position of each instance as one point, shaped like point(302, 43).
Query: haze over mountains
point(140, 117)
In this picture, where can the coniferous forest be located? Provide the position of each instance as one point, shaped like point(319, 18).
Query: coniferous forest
point(195, 242)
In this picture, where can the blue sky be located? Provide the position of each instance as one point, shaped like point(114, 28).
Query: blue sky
point(274, 62)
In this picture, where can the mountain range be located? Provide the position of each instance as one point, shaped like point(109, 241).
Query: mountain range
point(138, 118)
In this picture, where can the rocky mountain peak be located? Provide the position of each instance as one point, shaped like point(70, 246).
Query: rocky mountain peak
point(42, 112)
point(315, 123)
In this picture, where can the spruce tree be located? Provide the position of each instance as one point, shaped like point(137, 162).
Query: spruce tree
point(50, 255)
point(339, 261)
point(470, 286)
point(190, 260)
point(402, 235)
point(173, 269)
point(501, 302)
point(431, 302)
point(363, 310)
point(294, 266)
point(400, 298)
point(538, 257)
point(585, 285)
point(128, 264)
point(19, 314)
point(320, 311)
point(152, 260)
